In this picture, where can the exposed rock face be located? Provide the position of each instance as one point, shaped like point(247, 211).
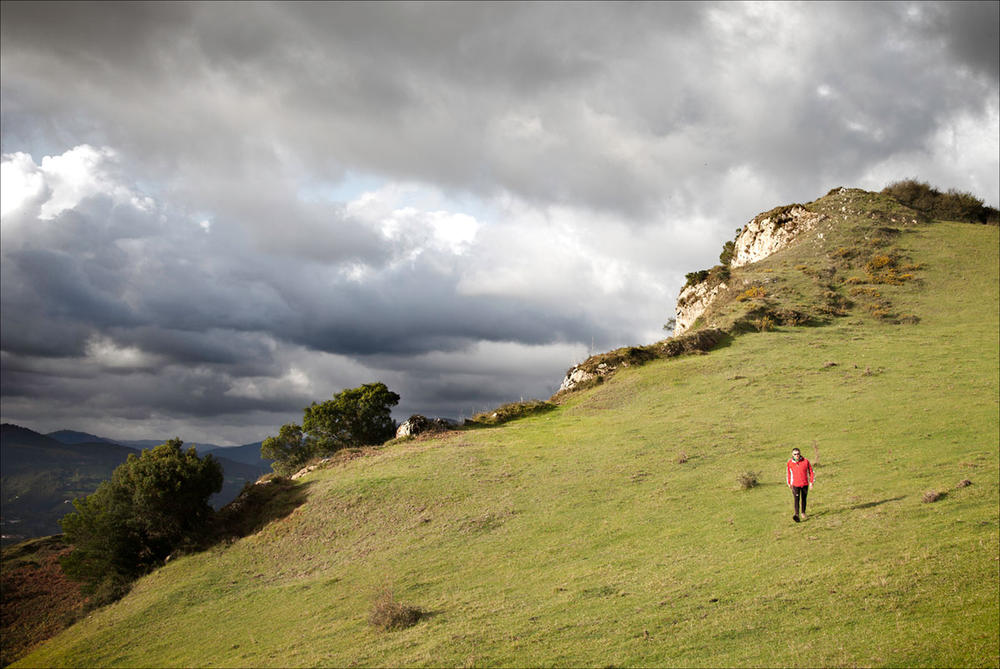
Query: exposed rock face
point(417, 424)
point(578, 375)
point(309, 468)
point(765, 234)
point(770, 232)
point(692, 303)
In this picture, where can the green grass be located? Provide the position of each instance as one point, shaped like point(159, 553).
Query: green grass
point(574, 537)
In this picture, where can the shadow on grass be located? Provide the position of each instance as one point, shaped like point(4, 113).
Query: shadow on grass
point(257, 506)
point(725, 341)
point(855, 507)
point(868, 505)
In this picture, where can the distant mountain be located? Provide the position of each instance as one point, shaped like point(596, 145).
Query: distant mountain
point(41, 475)
point(74, 437)
point(247, 453)
point(141, 443)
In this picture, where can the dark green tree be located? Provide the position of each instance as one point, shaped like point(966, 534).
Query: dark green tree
point(728, 249)
point(154, 503)
point(289, 450)
point(359, 416)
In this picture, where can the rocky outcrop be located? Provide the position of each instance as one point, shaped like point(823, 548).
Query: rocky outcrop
point(764, 235)
point(417, 424)
point(578, 375)
point(605, 364)
point(772, 231)
point(692, 302)
point(309, 468)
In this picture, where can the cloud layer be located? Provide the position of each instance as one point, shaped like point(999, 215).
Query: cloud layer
point(215, 214)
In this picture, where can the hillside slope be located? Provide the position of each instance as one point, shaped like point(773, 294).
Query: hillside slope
point(612, 531)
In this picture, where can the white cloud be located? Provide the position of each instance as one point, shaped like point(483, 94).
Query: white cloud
point(105, 352)
point(61, 182)
point(963, 150)
point(20, 182)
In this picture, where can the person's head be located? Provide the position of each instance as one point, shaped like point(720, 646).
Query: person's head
point(796, 454)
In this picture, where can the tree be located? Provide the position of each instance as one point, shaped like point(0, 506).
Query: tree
point(289, 449)
point(154, 502)
point(359, 416)
point(728, 250)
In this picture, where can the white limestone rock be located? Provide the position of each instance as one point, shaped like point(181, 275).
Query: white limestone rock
point(691, 304)
point(575, 377)
point(771, 232)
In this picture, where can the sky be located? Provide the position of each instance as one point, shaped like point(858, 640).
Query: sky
point(214, 214)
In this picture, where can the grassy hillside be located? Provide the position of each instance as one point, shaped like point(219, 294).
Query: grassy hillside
point(612, 531)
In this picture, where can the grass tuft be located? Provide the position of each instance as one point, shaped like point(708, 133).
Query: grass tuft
point(932, 496)
point(748, 479)
point(388, 614)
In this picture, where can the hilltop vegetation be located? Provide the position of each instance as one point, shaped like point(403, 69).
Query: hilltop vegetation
point(613, 530)
point(952, 205)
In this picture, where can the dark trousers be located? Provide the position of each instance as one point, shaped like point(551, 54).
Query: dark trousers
point(800, 493)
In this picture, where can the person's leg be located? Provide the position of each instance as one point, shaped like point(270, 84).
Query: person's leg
point(804, 494)
point(795, 495)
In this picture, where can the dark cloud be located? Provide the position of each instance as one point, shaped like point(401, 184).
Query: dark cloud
point(217, 266)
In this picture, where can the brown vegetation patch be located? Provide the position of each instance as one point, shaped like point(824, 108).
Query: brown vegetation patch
point(748, 479)
point(39, 601)
point(932, 496)
point(387, 614)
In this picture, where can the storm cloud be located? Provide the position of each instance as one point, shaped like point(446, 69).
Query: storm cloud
point(216, 213)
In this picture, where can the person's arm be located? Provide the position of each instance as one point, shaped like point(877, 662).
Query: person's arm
point(788, 473)
point(812, 475)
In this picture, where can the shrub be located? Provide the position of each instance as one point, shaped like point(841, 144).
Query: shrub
point(511, 411)
point(748, 479)
point(879, 262)
point(387, 614)
point(882, 268)
point(845, 252)
point(694, 278)
point(728, 249)
point(719, 274)
point(780, 215)
point(752, 293)
point(713, 276)
point(932, 496)
point(953, 205)
point(764, 323)
point(691, 342)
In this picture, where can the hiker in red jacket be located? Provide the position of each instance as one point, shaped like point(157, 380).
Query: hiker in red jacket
point(800, 476)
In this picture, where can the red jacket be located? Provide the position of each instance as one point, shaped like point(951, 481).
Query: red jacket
point(800, 473)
